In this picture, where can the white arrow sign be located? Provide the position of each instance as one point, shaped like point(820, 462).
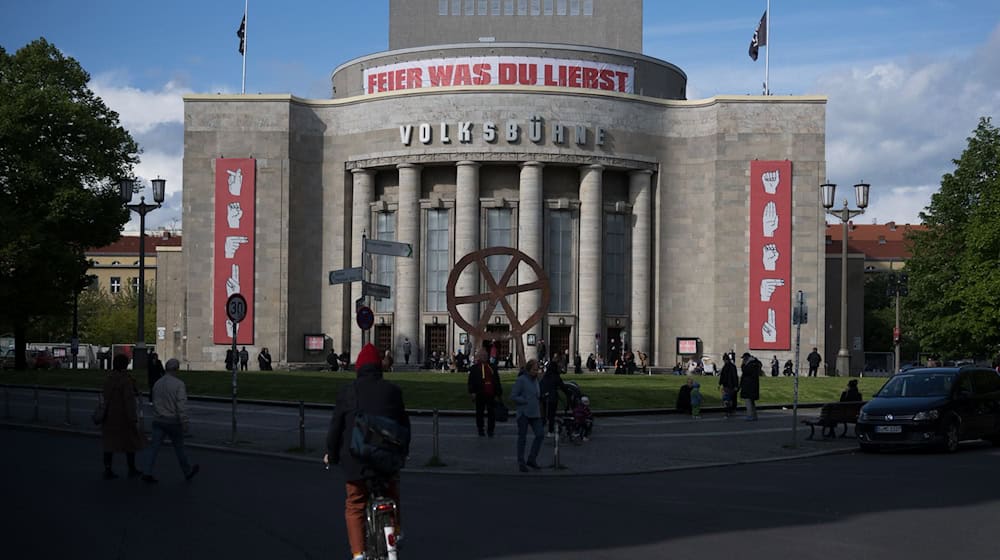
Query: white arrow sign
point(346, 275)
point(391, 248)
point(377, 291)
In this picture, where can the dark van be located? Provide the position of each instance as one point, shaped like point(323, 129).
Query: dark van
point(940, 406)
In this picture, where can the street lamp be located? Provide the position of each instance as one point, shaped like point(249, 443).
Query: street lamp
point(126, 188)
point(844, 215)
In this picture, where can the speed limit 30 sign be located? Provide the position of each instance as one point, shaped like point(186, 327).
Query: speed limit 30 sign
point(236, 308)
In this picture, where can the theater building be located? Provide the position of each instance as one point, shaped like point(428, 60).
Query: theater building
point(681, 226)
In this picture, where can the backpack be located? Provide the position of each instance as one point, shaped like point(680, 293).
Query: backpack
point(378, 442)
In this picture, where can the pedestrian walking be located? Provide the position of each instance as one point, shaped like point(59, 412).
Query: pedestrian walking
point(244, 359)
point(525, 396)
point(170, 419)
point(729, 382)
point(264, 360)
point(484, 387)
point(814, 360)
point(387, 361)
point(153, 373)
point(750, 384)
point(406, 350)
point(119, 428)
point(775, 365)
point(542, 349)
point(231, 359)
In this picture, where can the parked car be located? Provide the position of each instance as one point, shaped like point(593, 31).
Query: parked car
point(940, 406)
point(7, 359)
point(43, 359)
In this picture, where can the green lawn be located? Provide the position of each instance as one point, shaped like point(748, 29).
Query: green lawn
point(447, 391)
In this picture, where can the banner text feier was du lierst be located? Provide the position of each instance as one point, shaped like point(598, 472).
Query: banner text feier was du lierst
point(500, 70)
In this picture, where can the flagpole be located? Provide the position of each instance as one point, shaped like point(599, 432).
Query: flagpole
point(767, 45)
point(246, 6)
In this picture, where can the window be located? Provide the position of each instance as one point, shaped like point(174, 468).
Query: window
point(574, 7)
point(470, 7)
point(615, 263)
point(438, 265)
point(536, 8)
point(508, 7)
point(442, 7)
point(456, 7)
point(495, 7)
point(116, 284)
point(588, 7)
point(522, 7)
point(559, 261)
point(548, 7)
point(134, 283)
point(561, 7)
point(481, 8)
point(385, 266)
point(498, 234)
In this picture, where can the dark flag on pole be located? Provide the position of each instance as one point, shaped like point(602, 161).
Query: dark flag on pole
point(241, 33)
point(759, 37)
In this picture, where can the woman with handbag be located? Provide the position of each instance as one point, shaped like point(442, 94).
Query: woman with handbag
point(119, 423)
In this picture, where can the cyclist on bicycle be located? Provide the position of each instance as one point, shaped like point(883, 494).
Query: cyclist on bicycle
point(376, 397)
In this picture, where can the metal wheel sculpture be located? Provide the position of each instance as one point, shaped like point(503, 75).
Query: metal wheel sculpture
point(497, 295)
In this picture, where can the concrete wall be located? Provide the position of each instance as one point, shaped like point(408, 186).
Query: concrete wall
point(171, 294)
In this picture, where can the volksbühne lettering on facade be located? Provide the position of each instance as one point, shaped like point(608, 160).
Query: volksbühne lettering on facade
point(512, 131)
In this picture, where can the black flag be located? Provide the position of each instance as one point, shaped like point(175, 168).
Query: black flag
point(242, 32)
point(759, 36)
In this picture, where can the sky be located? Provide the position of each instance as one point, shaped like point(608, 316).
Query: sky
point(907, 80)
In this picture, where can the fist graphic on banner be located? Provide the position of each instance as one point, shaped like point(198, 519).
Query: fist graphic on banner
point(771, 180)
point(770, 256)
point(233, 215)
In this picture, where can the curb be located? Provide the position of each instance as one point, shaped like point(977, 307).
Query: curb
point(441, 471)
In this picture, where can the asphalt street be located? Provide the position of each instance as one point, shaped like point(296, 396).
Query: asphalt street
point(887, 506)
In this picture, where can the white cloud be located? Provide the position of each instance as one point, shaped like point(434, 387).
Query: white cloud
point(899, 204)
point(139, 110)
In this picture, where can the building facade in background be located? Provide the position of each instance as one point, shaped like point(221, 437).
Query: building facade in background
point(537, 125)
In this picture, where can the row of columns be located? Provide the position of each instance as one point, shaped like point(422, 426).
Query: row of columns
point(530, 242)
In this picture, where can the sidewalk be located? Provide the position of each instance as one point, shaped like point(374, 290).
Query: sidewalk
point(620, 444)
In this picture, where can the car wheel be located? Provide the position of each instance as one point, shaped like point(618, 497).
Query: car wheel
point(951, 438)
point(868, 448)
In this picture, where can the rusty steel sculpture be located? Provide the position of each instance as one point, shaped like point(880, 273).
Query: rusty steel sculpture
point(496, 294)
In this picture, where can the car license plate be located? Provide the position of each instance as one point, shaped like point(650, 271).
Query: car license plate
point(888, 429)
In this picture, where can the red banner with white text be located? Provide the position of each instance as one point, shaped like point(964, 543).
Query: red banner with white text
point(770, 255)
point(235, 181)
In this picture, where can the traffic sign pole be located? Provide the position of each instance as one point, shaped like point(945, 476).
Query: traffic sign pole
point(236, 311)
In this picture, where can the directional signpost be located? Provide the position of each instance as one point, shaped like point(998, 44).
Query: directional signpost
point(369, 247)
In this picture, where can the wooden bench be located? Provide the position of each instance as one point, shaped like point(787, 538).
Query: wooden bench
point(833, 414)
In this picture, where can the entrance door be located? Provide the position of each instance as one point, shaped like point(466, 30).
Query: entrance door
point(383, 338)
point(559, 340)
point(437, 340)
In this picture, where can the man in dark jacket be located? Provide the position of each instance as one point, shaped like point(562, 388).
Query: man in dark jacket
point(814, 359)
point(376, 397)
point(750, 384)
point(484, 386)
point(729, 382)
point(548, 388)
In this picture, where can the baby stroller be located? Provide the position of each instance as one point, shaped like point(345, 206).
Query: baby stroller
point(575, 423)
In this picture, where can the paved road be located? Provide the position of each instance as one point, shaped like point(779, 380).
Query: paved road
point(911, 505)
point(620, 444)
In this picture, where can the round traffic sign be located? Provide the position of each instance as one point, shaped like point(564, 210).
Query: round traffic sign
point(365, 317)
point(236, 308)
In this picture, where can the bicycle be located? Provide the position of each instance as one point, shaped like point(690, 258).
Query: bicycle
point(381, 513)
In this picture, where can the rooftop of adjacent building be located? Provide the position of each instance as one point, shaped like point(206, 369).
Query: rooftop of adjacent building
point(877, 241)
point(128, 244)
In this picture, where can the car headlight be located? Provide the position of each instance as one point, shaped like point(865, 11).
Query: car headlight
point(863, 416)
point(924, 416)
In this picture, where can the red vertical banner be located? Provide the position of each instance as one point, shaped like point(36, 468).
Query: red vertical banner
point(770, 255)
point(235, 182)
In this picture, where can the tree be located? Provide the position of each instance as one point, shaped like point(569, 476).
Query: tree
point(61, 152)
point(954, 302)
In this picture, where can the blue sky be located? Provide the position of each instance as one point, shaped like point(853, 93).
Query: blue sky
point(907, 80)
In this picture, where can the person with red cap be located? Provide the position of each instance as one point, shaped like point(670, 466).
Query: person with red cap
point(377, 397)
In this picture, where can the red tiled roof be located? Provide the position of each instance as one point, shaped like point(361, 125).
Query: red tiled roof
point(129, 244)
point(868, 239)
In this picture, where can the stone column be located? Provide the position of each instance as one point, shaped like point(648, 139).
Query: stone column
point(529, 241)
point(640, 196)
point(591, 255)
point(364, 194)
point(467, 238)
point(407, 296)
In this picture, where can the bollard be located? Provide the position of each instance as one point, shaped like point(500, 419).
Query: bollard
point(36, 403)
point(434, 455)
point(69, 422)
point(302, 426)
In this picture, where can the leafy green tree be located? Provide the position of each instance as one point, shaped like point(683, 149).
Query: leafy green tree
point(104, 319)
point(61, 152)
point(954, 301)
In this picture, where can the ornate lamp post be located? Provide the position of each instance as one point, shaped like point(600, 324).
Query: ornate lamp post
point(844, 215)
point(126, 187)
